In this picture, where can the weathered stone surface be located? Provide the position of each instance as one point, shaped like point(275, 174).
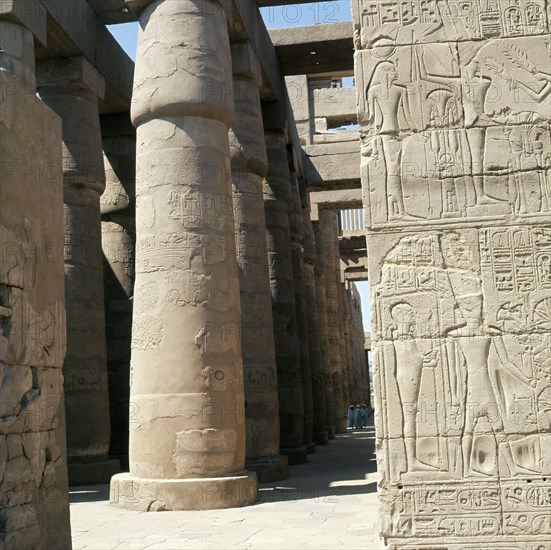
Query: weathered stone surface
point(485, 145)
point(297, 255)
point(34, 508)
point(277, 204)
point(319, 397)
point(187, 378)
point(314, 49)
point(30, 14)
point(142, 494)
point(70, 87)
point(118, 236)
point(383, 24)
point(332, 165)
point(353, 380)
point(342, 335)
point(358, 344)
point(249, 166)
point(321, 293)
point(330, 238)
point(455, 171)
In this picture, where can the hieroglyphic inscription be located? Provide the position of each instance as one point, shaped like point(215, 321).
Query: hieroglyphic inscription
point(447, 20)
point(455, 130)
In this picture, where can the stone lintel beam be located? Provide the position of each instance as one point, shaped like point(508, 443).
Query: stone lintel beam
point(245, 61)
point(31, 14)
point(315, 49)
point(74, 71)
point(367, 343)
point(338, 199)
point(332, 166)
point(337, 105)
point(359, 276)
point(73, 28)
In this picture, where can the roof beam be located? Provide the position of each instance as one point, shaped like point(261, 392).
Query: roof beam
point(316, 49)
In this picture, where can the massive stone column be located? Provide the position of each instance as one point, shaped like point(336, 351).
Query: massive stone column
point(329, 228)
point(358, 344)
point(118, 236)
point(34, 504)
point(71, 87)
point(249, 166)
point(187, 438)
point(277, 204)
point(342, 333)
point(320, 434)
point(455, 109)
point(353, 393)
point(319, 272)
point(297, 255)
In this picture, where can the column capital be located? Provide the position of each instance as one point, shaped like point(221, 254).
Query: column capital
point(30, 14)
point(245, 61)
point(76, 72)
point(187, 43)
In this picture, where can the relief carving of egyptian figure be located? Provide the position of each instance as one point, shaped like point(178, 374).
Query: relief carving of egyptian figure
point(431, 299)
point(410, 359)
point(507, 82)
point(521, 154)
point(484, 396)
point(394, 107)
point(386, 100)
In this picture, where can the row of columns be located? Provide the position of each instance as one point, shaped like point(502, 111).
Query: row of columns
point(191, 271)
point(227, 293)
point(71, 88)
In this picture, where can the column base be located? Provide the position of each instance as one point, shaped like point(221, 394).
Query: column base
point(296, 455)
point(331, 432)
point(92, 473)
point(321, 438)
point(156, 495)
point(340, 426)
point(269, 468)
point(310, 448)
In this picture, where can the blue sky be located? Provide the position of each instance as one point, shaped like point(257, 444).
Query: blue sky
point(292, 15)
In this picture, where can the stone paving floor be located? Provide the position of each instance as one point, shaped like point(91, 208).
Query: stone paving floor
point(329, 503)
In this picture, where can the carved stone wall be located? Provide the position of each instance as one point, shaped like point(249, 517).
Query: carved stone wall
point(454, 102)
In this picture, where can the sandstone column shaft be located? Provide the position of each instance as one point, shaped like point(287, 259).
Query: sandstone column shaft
point(297, 254)
point(320, 434)
point(277, 204)
point(345, 365)
point(358, 343)
point(324, 328)
point(71, 88)
point(353, 381)
point(118, 234)
point(249, 166)
point(187, 439)
point(329, 227)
